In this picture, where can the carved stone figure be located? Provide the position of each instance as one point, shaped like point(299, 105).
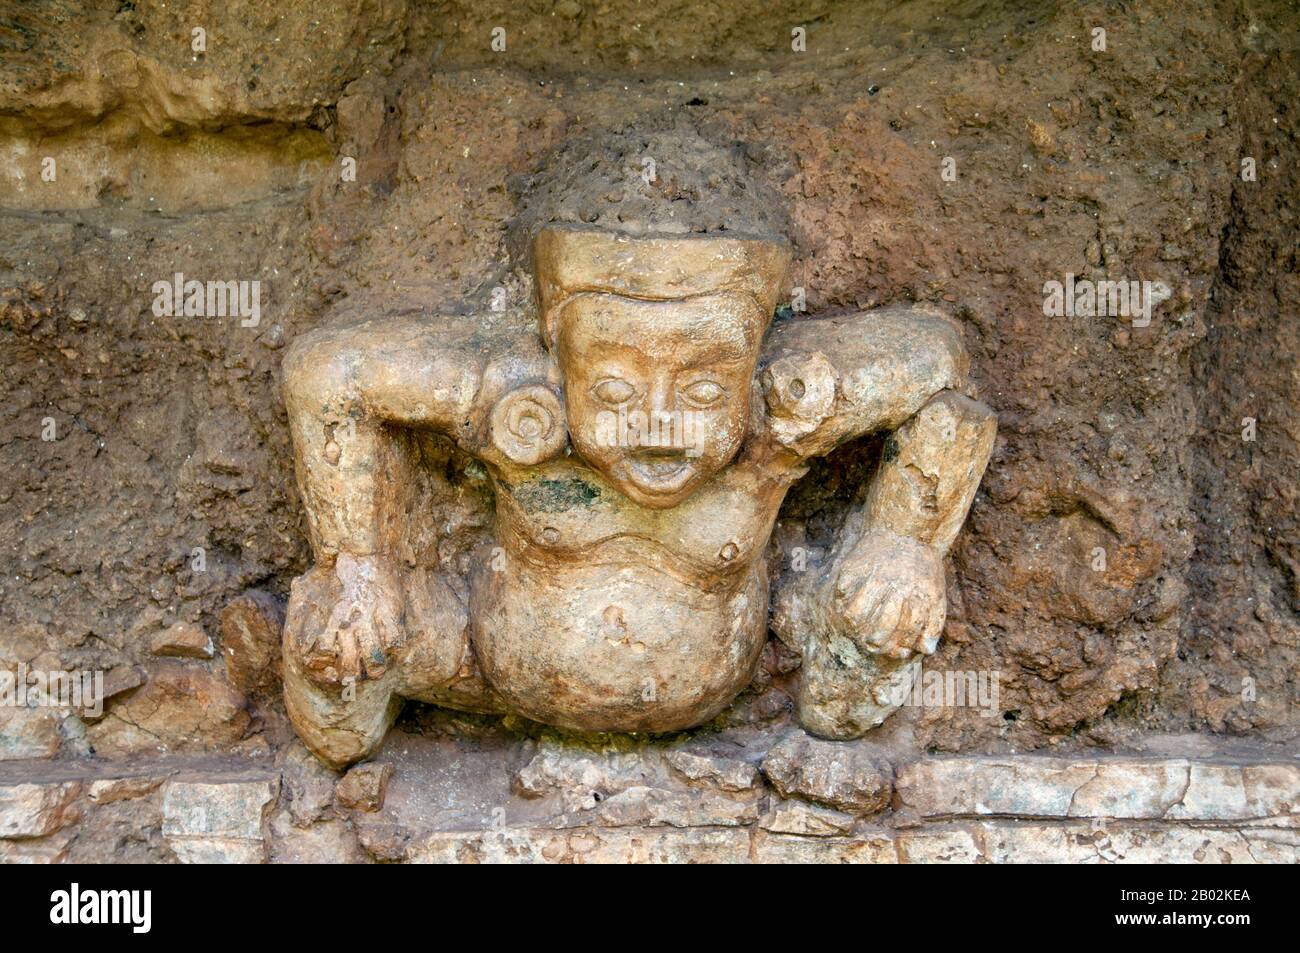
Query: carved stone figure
point(639, 438)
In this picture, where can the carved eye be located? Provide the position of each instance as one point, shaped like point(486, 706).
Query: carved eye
point(704, 393)
point(614, 390)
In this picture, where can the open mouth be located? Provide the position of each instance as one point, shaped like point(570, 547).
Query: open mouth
point(659, 473)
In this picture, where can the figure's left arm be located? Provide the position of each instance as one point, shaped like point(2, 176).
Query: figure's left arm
point(863, 616)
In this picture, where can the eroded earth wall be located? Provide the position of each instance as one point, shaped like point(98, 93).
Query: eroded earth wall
point(1131, 566)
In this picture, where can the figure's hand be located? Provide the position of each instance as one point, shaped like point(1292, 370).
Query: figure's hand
point(889, 596)
point(343, 621)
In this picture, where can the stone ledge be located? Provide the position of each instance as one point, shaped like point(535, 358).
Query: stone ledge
point(1006, 841)
point(218, 822)
point(544, 808)
point(201, 810)
point(1174, 789)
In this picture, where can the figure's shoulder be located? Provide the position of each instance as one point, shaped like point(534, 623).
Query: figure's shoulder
point(826, 380)
point(484, 380)
point(912, 334)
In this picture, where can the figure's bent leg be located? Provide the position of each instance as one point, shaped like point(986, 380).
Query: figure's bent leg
point(844, 693)
point(438, 664)
point(344, 719)
point(861, 650)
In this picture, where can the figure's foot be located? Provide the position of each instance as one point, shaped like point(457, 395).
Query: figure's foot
point(343, 622)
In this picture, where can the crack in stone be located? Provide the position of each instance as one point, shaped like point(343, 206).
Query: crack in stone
point(1187, 784)
point(1096, 772)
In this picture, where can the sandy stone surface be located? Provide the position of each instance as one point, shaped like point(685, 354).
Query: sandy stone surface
point(489, 797)
point(166, 494)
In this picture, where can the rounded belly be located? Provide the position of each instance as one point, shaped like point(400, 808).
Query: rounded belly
point(610, 648)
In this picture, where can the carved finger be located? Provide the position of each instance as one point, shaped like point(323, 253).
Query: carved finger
point(862, 603)
point(322, 645)
point(899, 645)
point(933, 631)
point(352, 642)
point(374, 664)
point(392, 630)
point(880, 625)
point(384, 635)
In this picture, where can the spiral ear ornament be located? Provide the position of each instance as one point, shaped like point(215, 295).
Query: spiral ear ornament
point(528, 425)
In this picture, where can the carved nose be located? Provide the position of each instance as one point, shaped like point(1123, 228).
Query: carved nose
point(660, 396)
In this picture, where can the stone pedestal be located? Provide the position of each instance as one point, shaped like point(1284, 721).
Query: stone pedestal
point(767, 798)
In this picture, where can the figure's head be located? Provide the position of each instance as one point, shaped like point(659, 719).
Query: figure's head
point(658, 259)
point(656, 338)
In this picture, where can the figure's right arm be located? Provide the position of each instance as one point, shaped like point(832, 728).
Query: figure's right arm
point(344, 388)
point(347, 388)
point(349, 392)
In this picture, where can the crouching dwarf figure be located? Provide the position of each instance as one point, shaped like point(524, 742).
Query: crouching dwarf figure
point(639, 448)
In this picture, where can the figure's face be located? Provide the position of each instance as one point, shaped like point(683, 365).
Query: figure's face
point(657, 392)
